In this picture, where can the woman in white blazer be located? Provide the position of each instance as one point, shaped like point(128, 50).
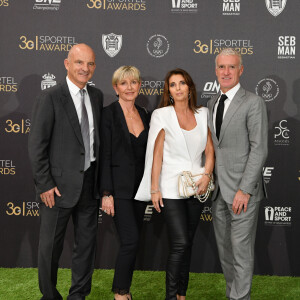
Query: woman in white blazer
point(177, 139)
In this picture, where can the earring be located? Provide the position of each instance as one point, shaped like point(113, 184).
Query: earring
point(117, 95)
point(171, 100)
point(189, 96)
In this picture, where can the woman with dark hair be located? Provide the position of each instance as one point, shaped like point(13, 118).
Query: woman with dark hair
point(178, 137)
point(124, 132)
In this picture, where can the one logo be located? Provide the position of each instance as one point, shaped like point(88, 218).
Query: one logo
point(47, 4)
point(184, 6)
point(210, 89)
point(267, 173)
point(112, 44)
point(8, 84)
point(278, 216)
point(48, 81)
point(286, 47)
point(158, 45)
point(148, 213)
point(152, 88)
point(206, 214)
point(7, 167)
point(268, 89)
point(275, 7)
point(231, 8)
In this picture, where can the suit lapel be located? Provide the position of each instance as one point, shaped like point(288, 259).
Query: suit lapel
point(122, 125)
point(143, 116)
point(70, 110)
point(234, 105)
point(211, 112)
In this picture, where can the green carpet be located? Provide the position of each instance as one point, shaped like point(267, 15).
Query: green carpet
point(22, 284)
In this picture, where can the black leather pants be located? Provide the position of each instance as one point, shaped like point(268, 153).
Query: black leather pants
point(182, 218)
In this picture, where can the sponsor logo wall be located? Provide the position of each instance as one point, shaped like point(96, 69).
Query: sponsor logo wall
point(155, 36)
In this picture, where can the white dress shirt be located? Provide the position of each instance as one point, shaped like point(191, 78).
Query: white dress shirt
point(75, 94)
point(230, 95)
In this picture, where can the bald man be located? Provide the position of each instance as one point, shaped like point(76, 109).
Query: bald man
point(64, 153)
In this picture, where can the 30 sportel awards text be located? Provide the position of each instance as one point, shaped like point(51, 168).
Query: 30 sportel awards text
point(123, 5)
point(47, 43)
point(215, 46)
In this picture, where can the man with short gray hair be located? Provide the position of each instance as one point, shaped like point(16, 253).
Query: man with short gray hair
point(239, 126)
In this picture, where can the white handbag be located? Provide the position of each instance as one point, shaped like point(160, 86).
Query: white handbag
point(187, 186)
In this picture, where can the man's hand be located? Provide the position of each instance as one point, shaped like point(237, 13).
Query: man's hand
point(48, 197)
point(108, 205)
point(240, 200)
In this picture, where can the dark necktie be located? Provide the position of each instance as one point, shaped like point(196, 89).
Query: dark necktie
point(85, 131)
point(219, 116)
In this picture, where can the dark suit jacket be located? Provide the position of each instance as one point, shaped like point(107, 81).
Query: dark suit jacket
point(56, 148)
point(117, 160)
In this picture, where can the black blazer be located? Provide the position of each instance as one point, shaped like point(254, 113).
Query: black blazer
point(117, 160)
point(55, 145)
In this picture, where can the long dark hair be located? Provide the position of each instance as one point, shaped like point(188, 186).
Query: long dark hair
point(165, 101)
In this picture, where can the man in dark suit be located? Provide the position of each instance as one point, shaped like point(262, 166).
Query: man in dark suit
point(239, 126)
point(64, 153)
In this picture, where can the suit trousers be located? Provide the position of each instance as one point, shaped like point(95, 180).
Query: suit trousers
point(129, 215)
point(235, 236)
point(53, 225)
point(182, 218)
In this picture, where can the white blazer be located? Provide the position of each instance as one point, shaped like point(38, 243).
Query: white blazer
point(176, 156)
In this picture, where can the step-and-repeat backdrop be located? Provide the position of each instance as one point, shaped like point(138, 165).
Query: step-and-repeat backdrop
point(155, 36)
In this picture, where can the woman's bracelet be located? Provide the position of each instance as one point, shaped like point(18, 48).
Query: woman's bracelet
point(154, 192)
point(209, 175)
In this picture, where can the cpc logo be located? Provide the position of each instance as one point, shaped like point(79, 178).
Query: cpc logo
point(94, 4)
point(200, 48)
point(282, 130)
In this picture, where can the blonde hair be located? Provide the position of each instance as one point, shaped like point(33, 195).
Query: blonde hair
point(126, 71)
point(230, 51)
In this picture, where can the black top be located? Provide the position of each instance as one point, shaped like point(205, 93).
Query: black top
point(139, 151)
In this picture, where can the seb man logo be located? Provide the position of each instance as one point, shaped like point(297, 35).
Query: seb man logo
point(286, 47)
point(215, 46)
point(26, 209)
point(47, 43)
point(136, 5)
point(8, 84)
point(231, 7)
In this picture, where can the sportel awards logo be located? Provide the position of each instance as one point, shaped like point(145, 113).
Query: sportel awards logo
point(7, 167)
point(4, 3)
point(26, 209)
point(281, 135)
point(47, 43)
point(286, 47)
point(152, 88)
point(231, 7)
point(275, 7)
point(210, 89)
point(206, 215)
point(214, 47)
point(158, 45)
point(8, 84)
point(48, 81)
point(268, 89)
point(121, 5)
point(184, 6)
point(112, 44)
point(280, 216)
point(20, 127)
point(47, 4)
point(267, 173)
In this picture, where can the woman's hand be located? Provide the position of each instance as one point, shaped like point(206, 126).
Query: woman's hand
point(202, 184)
point(157, 201)
point(108, 205)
